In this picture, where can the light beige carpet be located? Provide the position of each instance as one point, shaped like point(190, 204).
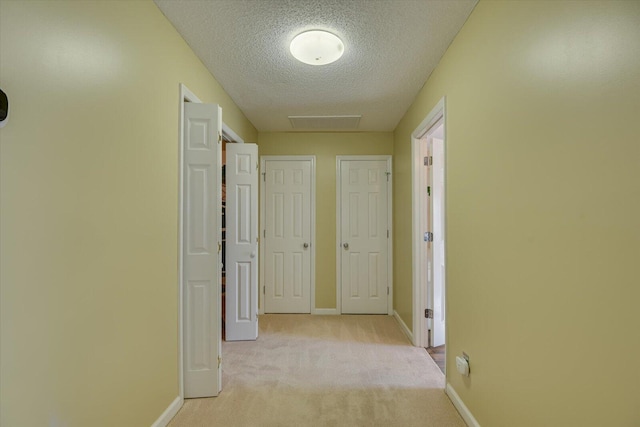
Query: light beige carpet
point(325, 371)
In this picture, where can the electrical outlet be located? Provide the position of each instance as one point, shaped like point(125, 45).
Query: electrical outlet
point(462, 364)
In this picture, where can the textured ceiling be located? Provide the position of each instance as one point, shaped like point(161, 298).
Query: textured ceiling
point(391, 48)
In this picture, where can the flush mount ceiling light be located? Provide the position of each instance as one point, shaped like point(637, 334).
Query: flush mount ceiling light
point(316, 47)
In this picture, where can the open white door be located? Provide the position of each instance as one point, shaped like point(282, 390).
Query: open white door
point(241, 257)
point(435, 238)
point(364, 234)
point(423, 161)
point(437, 199)
point(202, 258)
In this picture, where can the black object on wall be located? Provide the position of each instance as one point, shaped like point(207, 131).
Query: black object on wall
point(4, 108)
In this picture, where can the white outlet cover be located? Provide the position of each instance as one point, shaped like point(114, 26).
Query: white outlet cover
point(462, 365)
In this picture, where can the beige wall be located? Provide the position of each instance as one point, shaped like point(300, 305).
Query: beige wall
point(543, 202)
point(89, 178)
point(325, 146)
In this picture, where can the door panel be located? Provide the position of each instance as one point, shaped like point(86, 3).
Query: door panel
point(364, 222)
point(288, 230)
point(438, 242)
point(201, 280)
point(241, 289)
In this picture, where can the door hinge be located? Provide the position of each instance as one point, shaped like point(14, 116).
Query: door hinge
point(387, 234)
point(387, 290)
point(388, 175)
point(429, 338)
point(429, 191)
point(428, 313)
point(219, 138)
point(428, 161)
point(428, 236)
point(219, 361)
point(264, 176)
point(257, 166)
point(219, 247)
point(264, 290)
point(264, 233)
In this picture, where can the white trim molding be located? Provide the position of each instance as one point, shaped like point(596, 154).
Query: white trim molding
point(419, 273)
point(403, 326)
point(465, 413)
point(325, 311)
point(168, 414)
point(228, 133)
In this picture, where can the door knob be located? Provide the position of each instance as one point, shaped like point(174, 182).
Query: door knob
point(305, 245)
point(345, 245)
point(253, 254)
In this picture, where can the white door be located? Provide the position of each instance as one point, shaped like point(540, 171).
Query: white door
point(287, 207)
point(202, 258)
point(436, 147)
point(364, 229)
point(241, 317)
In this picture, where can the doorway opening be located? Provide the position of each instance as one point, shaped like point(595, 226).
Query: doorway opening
point(200, 243)
point(429, 235)
point(435, 253)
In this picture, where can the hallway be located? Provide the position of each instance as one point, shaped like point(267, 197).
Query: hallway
point(325, 371)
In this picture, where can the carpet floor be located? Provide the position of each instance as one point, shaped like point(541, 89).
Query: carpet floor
point(325, 371)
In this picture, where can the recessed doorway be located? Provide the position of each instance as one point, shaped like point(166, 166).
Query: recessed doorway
point(429, 235)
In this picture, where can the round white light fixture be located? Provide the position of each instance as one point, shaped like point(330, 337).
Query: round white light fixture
point(316, 47)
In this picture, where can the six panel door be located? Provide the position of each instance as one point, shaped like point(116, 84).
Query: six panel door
point(364, 236)
point(241, 258)
point(287, 236)
point(202, 258)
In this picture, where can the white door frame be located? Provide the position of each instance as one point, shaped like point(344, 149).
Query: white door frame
point(261, 264)
point(339, 159)
point(418, 211)
point(231, 136)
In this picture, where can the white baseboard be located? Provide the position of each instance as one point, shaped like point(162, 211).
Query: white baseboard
point(169, 413)
point(466, 415)
point(325, 311)
point(404, 327)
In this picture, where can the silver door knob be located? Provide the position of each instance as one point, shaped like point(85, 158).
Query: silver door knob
point(305, 245)
point(345, 245)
